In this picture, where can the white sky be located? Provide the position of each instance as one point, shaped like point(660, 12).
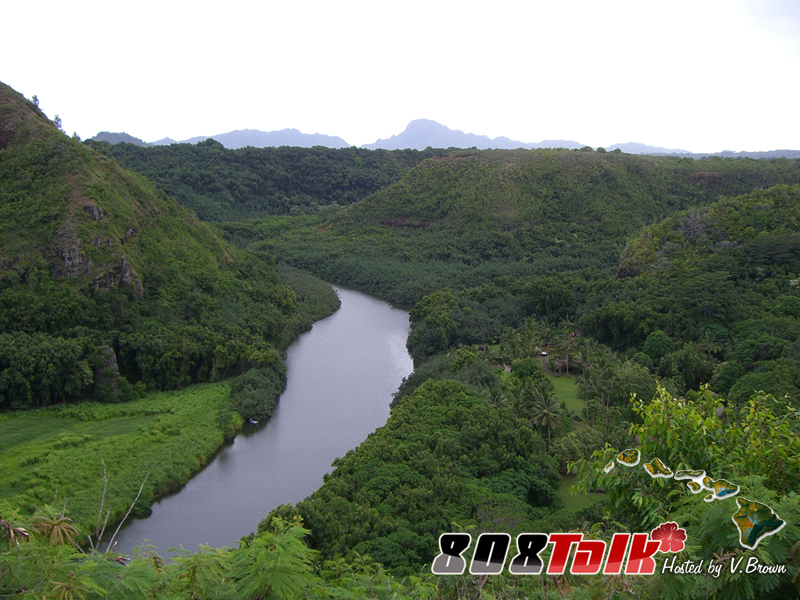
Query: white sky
point(701, 75)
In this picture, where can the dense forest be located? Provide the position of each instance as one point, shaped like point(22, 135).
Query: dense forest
point(222, 185)
point(705, 296)
point(567, 306)
point(472, 217)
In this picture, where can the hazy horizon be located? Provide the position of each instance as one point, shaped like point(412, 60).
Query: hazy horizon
point(703, 76)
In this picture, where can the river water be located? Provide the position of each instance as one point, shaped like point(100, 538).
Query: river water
point(341, 376)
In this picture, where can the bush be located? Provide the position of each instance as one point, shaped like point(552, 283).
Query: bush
point(658, 345)
point(254, 394)
point(528, 367)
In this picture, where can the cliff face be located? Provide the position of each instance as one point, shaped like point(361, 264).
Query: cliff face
point(70, 258)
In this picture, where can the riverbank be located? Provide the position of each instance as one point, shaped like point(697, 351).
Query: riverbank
point(55, 456)
point(340, 379)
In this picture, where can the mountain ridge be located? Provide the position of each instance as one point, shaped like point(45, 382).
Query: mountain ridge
point(418, 135)
point(239, 138)
point(422, 133)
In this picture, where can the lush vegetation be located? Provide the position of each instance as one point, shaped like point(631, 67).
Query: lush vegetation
point(446, 456)
point(471, 217)
point(109, 288)
point(91, 458)
point(548, 286)
point(706, 296)
point(755, 449)
point(222, 185)
point(37, 561)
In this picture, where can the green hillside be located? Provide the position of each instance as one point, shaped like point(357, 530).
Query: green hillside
point(464, 219)
point(722, 282)
point(106, 283)
point(221, 184)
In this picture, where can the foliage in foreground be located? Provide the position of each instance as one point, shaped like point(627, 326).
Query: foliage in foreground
point(756, 449)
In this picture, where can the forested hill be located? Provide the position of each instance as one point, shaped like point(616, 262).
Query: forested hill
point(220, 184)
point(105, 282)
point(594, 193)
point(463, 219)
point(716, 287)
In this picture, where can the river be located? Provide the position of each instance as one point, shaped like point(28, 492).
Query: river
point(340, 379)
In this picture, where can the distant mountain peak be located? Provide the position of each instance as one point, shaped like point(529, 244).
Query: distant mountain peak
point(422, 133)
point(238, 139)
point(163, 142)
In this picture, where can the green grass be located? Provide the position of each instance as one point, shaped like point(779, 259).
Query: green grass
point(566, 389)
point(575, 501)
point(54, 455)
point(31, 434)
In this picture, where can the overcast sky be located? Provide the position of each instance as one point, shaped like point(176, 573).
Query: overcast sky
point(698, 75)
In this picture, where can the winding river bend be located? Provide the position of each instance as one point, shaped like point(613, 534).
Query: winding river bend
point(341, 376)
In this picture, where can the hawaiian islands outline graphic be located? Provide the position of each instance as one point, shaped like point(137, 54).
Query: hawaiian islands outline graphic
point(754, 520)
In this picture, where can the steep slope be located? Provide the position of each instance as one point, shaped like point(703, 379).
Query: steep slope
point(102, 275)
point(722, 279)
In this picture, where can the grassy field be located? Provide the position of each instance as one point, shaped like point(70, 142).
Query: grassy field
point(566, 390)
point(56, 455)
point(28, 438)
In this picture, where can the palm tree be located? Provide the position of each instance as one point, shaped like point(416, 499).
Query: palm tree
point(567, 326)
point(530, 337)
point(545, 412)
point(519, 394)
point(58, 528)
point(495, 396)
point(597, 377)
point(509, 346)
point(708, 343)
point(546, 331)
point(13, 534)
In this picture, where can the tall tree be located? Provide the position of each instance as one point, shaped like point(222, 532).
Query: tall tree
point(545, 411)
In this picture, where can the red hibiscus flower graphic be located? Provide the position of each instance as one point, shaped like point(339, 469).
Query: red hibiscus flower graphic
point(670, 536)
